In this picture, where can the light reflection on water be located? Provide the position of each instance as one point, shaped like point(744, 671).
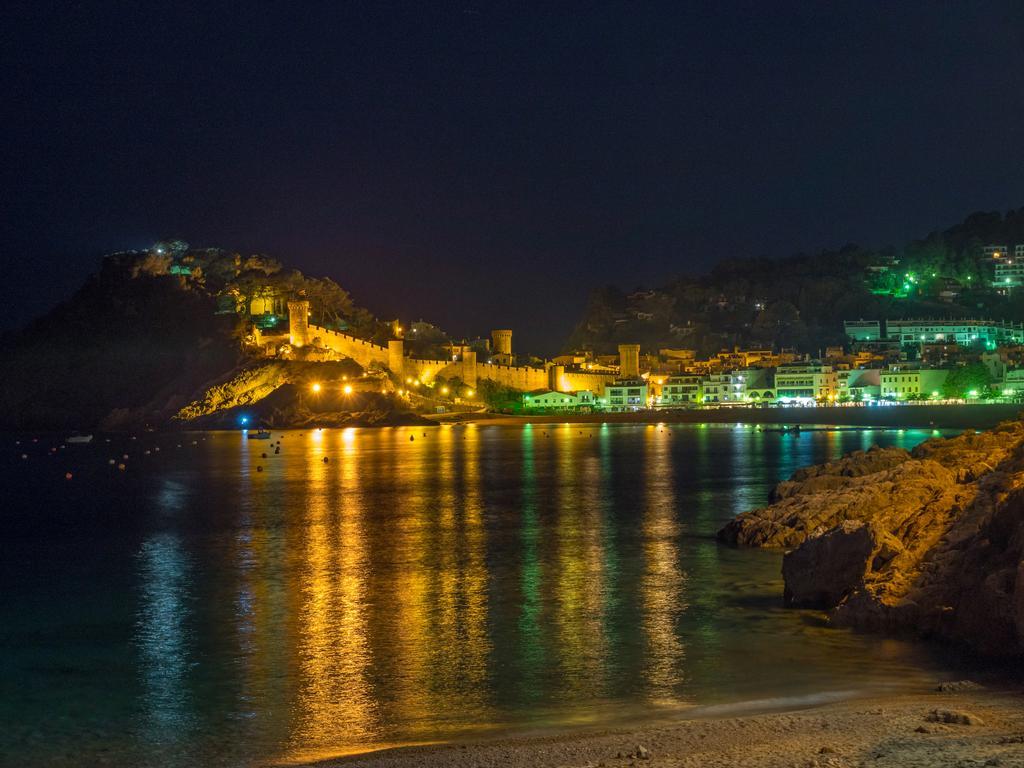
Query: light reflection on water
point(405, 590)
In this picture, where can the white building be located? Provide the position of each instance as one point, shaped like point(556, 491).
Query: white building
point(582, 400)
point(859, 384)
point(900, 382)
point(1009, 274)
point(717, 387)
point(680, 390)
point(626, 395)
point(805, 382)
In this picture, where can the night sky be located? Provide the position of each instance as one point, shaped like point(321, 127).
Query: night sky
point(485, 165)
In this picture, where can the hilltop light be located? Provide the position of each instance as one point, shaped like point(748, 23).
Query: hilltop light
point(347, 389)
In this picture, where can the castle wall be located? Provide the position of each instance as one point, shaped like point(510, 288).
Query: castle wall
point(468, 369)
point(592, 382)
point(362, 351)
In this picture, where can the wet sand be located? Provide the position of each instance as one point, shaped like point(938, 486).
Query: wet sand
point(898, 731)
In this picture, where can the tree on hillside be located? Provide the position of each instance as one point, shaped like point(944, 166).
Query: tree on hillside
point(961, 381)
point(329, 302)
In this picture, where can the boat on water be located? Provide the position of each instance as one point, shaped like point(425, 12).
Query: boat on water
point(79, 439)
point(259, 434)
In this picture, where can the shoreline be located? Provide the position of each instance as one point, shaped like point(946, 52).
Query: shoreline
point(892, 416)
point(889, 730)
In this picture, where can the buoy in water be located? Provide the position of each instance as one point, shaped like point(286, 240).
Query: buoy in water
point(326, 460)
point(259, 469)
point(263, 455)
point(121, 467)
point(111, 462)
point(24, 455)
point(67, 475)
point(412, 437)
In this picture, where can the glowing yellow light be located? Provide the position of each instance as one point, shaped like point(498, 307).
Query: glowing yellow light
point(469, 393)
point(444, 390)
point(347, 389)
point(316, 387)
point(408, 380)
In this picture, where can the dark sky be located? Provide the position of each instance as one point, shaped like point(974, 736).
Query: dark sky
point(487, 164)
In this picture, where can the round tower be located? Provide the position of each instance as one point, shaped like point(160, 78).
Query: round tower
point(502, 342)
point(298, 322)
point(396, 357)
point(629, 361)
point(556, 378)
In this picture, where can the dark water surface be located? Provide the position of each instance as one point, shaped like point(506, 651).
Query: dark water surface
point(194, 611)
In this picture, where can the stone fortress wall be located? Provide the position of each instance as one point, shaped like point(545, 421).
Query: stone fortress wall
point(465, 367)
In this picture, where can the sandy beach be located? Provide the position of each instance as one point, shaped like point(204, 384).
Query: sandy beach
point(973, 727)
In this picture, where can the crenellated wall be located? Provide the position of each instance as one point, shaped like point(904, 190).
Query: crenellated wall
point(468, 368)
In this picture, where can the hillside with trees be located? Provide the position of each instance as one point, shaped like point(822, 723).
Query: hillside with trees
point(801, 301)
point(149, 330)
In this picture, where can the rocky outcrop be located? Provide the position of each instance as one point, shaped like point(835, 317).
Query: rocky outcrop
point(246, 387)
point(928, 541)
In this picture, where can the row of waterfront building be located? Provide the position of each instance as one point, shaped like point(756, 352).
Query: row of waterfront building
point(805, 383)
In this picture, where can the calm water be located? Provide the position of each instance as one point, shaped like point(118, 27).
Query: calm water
point(194, 611)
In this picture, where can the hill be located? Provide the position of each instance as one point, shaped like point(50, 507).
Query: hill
point(801, 301)
point(150, 332)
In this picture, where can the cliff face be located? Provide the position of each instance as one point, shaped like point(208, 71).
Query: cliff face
point(928, 541)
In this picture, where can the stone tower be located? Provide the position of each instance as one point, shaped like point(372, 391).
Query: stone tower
point(556, 375)
point(502, 343)
point(396, 357)
point(629, 361)
point(298, 322)
point(469, 367)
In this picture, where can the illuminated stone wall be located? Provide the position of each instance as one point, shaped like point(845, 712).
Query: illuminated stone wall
point(468, 368)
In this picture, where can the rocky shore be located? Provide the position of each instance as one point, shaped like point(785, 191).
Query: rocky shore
point(927, 541)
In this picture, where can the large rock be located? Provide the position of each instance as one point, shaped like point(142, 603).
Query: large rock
point(928, 541)
point(826, 568)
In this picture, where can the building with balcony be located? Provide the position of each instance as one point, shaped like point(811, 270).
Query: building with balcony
point(902, 382)
point(964, 332)
point(553, 402)
point(625, 395)
point(681, 390)
point(1009, 274)
point(863, 330)
point(805, 382)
